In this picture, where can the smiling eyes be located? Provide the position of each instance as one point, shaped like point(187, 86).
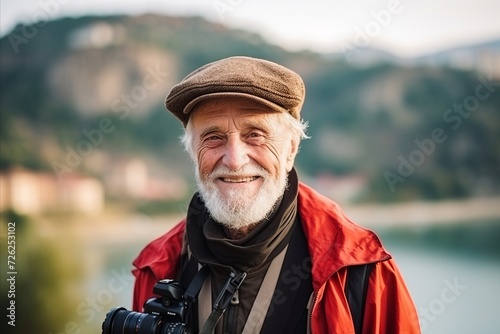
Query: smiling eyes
point(252, 138)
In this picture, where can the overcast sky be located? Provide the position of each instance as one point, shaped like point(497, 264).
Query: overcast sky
point(403, 27)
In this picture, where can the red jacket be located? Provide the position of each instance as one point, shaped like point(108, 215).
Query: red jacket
point(334, 243)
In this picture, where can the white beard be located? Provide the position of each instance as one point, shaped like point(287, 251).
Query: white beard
point(238, 209)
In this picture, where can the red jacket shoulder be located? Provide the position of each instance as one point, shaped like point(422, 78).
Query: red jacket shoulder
point(158, 260)
point(160, 253)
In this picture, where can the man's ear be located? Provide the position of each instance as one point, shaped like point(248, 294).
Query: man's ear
point(294, 149)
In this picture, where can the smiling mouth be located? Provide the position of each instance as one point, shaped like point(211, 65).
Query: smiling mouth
point(239, 179)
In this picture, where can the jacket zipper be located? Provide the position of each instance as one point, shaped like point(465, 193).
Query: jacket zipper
point(232, 315)
point(310, 305)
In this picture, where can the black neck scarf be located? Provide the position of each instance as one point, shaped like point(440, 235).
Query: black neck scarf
point(252, 253)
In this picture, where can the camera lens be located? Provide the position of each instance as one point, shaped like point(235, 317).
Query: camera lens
point(111, 318)
point(121, 321)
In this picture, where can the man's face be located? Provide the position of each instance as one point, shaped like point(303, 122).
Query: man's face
point(243, 152)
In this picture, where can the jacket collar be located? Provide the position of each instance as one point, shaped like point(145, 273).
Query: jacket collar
point(334, 241)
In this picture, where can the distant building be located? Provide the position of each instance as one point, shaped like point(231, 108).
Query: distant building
point(29, 192)
point(132, 178)
point(82, 194)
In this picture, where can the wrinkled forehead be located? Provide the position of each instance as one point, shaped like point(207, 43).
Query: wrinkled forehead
point(236, 109)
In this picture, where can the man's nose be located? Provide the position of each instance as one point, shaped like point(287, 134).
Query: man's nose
point(235, 153)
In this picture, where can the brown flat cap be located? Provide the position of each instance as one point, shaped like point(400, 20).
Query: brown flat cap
point(263, 81)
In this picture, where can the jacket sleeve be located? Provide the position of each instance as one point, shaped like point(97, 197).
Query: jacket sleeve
point(158, 260)
point(143, 287)
point(389, 307)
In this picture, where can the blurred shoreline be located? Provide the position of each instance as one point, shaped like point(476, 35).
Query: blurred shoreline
point(424, 213)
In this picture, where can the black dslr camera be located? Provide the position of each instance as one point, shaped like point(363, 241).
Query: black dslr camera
point(166, 314)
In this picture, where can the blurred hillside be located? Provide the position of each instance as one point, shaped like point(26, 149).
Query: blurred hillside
point(84, 96)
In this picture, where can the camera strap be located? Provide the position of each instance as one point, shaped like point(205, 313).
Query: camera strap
point(261, 303)
point(196, 284)
point(232, 285)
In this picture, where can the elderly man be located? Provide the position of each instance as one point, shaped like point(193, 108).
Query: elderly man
point(278, 257)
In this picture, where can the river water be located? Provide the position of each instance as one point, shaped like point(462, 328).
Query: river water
point(452, 293)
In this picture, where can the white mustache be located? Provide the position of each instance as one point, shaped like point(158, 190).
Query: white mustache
point(222, 171)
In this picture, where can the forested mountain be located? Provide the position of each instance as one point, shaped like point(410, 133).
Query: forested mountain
point(408, 132)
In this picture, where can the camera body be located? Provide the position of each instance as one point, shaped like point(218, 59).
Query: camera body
point(164, 314)
point(171, 304)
